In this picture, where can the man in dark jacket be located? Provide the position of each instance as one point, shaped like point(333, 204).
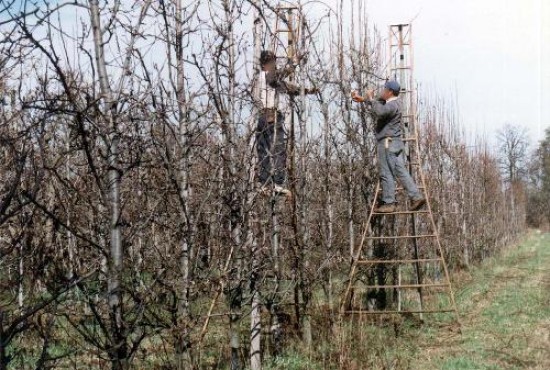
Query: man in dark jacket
point(391, 161)
point(270, 132)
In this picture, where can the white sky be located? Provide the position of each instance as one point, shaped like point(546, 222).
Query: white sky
point(493, 54)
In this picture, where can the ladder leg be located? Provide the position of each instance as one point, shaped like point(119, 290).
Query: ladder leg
point(418, 278)
point(357, 252)
point(417, 264)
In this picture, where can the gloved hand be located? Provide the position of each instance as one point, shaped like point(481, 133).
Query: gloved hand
point(356, 97)
point(312, 90)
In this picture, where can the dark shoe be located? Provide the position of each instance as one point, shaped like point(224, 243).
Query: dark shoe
point(417, 204)
point(277, 190)
point(385, 208)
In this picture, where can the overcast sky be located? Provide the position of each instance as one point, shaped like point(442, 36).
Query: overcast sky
point(494, 54)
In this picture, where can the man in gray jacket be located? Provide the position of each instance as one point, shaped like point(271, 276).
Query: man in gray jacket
point(391, 161)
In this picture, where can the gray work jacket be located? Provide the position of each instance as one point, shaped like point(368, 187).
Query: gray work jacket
point(388, 118)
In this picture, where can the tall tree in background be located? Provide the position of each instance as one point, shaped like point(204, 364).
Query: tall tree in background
point(513, 145)
point(538, 204)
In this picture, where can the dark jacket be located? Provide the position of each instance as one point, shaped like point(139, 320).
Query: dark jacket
point(276, 79)
point(388, 118)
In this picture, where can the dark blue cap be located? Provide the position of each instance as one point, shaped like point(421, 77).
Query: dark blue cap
point(392, 85)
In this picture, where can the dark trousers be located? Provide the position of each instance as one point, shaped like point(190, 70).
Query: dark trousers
point(271, 149)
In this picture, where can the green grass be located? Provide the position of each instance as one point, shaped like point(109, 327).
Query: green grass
point(292, 361)
point(461, 363)
point(506, 314)
point(504, 306)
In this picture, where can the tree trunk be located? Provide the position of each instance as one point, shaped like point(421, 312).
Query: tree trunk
point(255, 313)
point(184, 346)
point(119, 350)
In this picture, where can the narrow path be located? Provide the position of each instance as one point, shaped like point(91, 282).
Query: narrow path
point(505, 312)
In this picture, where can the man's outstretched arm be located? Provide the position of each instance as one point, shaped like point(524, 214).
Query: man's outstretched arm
point(376, 107)
point(276, 80)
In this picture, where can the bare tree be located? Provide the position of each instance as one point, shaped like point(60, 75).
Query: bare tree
point(513, 144)
point(538, 185)
point(130, 219)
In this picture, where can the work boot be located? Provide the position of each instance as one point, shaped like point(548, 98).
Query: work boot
point(385, 208)
point(417, 204)
point(279, 190)
point(264, 190)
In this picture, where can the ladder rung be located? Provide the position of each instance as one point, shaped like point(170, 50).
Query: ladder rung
point(400, 188)
point(401, 236)
point(406, 286)
point(399, 68)
point(400, 212)
point(409, 139)
point(404, 44)
point(374, 262)
point(365, 312)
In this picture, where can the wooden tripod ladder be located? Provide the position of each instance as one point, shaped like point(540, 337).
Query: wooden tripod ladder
point(418, 263)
